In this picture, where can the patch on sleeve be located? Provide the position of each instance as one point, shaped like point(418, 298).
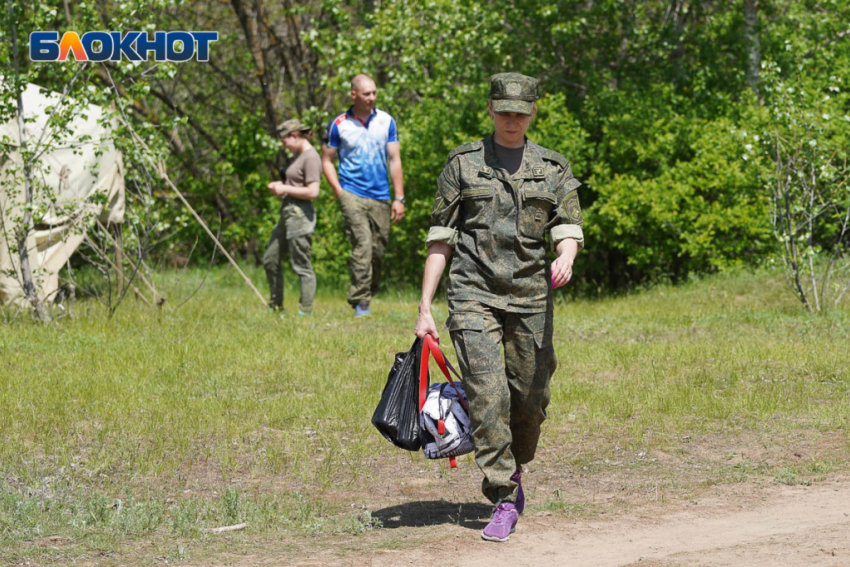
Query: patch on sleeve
point(572, 208)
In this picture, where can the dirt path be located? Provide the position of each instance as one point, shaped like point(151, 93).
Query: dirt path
point(737, 525)
point(778, 526)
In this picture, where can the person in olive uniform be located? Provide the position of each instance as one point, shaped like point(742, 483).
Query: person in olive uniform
point(294, 231)
point(497, 201)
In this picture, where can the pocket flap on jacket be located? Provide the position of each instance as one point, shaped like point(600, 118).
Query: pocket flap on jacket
point(542, 195)
point(466, 321)
point(477, 192)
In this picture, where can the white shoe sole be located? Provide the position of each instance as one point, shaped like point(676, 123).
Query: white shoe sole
point(491, 538)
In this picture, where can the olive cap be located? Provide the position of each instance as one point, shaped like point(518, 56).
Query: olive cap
point(512, 92)
point(290, 126)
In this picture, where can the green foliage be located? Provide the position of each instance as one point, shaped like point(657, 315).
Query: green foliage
point(805, 141)
point(697, 216)
point(648, 100)
point(435, 86)
point(248, 150)
point(556, 128)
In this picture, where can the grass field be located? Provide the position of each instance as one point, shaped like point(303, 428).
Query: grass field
point(123, 438)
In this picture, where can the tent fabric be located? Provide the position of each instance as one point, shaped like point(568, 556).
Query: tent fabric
point(82, 173)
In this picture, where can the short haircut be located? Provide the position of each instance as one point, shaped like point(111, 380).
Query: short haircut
point(358, 80)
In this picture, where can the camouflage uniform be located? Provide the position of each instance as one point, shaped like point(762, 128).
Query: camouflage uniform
point(499, 290)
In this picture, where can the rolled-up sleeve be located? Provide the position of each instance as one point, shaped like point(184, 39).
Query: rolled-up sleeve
point(566, 220)
point(446, 212)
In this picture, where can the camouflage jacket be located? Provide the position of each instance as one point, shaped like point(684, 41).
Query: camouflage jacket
point(498, 223)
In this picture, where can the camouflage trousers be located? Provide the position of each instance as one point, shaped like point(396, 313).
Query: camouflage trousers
point(300, 249)
point(507, 395)
point(367, 227)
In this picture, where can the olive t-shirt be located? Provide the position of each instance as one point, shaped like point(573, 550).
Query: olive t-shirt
point(299, 215)
point(304, 169)
point(510, 158)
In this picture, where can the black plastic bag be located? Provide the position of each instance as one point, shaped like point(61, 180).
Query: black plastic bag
point(397, 414)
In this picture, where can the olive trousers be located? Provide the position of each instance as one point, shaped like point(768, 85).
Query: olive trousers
point(367, 227)
point(508, 393)
point(300, 249)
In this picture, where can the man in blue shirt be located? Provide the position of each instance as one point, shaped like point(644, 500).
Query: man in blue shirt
point(366, 141)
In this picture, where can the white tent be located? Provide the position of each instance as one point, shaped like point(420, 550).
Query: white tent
point(82, 173)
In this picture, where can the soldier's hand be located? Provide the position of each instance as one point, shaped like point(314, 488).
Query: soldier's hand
point(425, 326)
point(277, 188)
point(397, 212)
point(562, 270)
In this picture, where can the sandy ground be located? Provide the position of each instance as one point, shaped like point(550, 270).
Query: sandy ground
point(736, 526)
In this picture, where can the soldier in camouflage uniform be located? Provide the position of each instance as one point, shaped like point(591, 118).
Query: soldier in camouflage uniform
point(497, 199)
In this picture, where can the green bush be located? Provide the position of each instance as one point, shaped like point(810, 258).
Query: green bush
point(694, 216)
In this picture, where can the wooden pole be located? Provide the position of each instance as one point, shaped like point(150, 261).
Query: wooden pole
point(160, 166)
point(142, 297)
point(164, 175)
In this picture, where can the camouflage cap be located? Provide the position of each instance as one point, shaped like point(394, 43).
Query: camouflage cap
point(290, 126)
point(512, 92)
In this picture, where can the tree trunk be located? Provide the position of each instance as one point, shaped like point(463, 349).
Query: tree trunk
point(118, 252)
point(24, 228)
point(249, 28)
point(751, 36)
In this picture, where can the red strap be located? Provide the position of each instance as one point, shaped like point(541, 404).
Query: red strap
point(423, 374)
point(428, 345)
point(441, 426)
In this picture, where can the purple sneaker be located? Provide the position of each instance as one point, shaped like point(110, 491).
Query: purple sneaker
point(503, 523)
point(520, 495)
